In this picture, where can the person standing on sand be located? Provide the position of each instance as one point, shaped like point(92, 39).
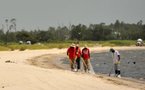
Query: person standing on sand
point(86, 58)
point(116, 62)
point(71, 52)
point(78, 56)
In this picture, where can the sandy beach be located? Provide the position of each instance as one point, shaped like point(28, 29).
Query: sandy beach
point(17, 73)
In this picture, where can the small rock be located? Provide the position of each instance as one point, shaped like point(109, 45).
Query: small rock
point(9, 61)
point(134, 62)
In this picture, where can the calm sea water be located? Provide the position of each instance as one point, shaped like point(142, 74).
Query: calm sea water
point(132, 63)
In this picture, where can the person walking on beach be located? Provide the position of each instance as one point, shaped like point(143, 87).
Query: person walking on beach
point(71, 52)
point(86, 58)
point(116, 62)
point(78, 56)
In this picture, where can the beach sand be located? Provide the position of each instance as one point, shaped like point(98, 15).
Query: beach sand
point(18, 71)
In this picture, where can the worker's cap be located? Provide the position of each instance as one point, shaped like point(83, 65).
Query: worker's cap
point(72, 45)
point(85, 46)
point(77, 45)
point(112, 50)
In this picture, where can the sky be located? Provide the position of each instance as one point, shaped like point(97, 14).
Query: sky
point(41, 14)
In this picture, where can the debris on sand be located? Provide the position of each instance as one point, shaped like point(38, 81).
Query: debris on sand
point(9, 61)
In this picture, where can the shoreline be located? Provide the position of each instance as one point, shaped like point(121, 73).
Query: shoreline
point(51, 57)
point(30, 77)
point(54, 62)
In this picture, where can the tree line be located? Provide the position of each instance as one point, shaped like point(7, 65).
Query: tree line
point(94, 32)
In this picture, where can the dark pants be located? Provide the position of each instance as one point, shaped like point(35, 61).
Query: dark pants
point(117, 69)
point(78, 62)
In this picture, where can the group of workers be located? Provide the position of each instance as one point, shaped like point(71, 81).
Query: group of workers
point(75, 54)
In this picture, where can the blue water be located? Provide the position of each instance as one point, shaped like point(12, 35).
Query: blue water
point(132, 63)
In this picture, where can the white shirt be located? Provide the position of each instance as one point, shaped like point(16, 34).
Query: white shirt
point(115, 56)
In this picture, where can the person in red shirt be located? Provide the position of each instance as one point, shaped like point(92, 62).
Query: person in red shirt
point(71, 52)
point(78, 56)
point(86, 58)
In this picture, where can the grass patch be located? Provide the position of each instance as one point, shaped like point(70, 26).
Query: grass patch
point(3, 48)
point(65, 44)
point(117, 43)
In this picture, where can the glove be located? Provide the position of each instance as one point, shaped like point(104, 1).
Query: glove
point(118, 62)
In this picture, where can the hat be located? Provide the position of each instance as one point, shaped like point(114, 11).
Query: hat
point(77, 45)
point(72, 45)
point(85, 46)
point(112, 50)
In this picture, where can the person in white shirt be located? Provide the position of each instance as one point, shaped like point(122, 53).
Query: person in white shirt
point(116, 62)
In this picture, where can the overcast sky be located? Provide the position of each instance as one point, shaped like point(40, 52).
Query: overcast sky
point(34, 14)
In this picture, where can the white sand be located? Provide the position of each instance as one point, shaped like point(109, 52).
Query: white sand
point(18, 75)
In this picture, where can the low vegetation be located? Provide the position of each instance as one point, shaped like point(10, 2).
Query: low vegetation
point(60, 45)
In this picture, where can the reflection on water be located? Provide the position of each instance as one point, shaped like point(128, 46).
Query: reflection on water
point(132, 63)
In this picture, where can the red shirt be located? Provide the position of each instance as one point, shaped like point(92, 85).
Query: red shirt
point(86, 54)
point(78, 52)
point(71, 52)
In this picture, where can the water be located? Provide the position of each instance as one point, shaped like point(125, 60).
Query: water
point(132, 63)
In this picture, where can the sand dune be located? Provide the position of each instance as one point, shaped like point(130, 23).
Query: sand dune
point(17, 74)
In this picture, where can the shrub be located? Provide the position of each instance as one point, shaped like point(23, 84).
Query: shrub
point(22, 48)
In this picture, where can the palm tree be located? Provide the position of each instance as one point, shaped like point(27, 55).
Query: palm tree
point(10, 27)
point(13, 23)
point(6, 20)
